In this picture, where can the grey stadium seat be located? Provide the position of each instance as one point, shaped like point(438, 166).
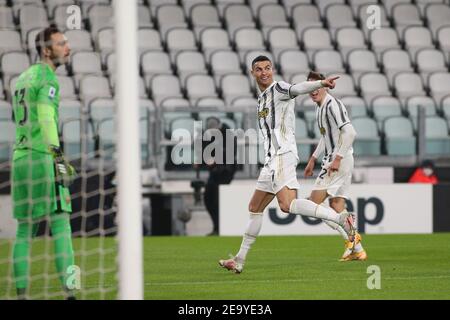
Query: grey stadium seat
point(399, 137)
point(149, 39)
point(323, 5)
point(70, 109)
point(364, 15)
point(170, 16)
point(100, 16)
point(417, 38)
point(356, 106)
point(214, 39)
point(293, 62)
point(67, 87)
point(272, 16)
point(281, 39)
point(190, 62)
point(372, 85)
point(339, 16)
point(413, 103)
point(305, 16)
point(236, 17)
point(92, 87)
point(328, 61)
point(7, 18)
point(189, 4)
point(348, 39)
point(248, 39)
point(6, 139)
point(405, 15)
point(361, 62)
point(5, 110)
point(204, 16)
point(439, 85)
point(290, 4)
point(384, 107)
point(79, 40)
point(9, 41)
point(13, 63)
point(223, 4)
point(315, 39)
point(437, 136)
point(443, 37)
point(199, 86)
point(235, 85)
point(390, 4)
point(368, 141)
point(437, 15)
point(179, 40)
point(256, 5)
point(85, 63)
point(164, 86)
point(32, 17)
point(429, 61)
point(445, 107)
point(154, 63)
point(224, 62)
point(395, 61)
point(408, 84)
point(346, 86)
point(383, 39)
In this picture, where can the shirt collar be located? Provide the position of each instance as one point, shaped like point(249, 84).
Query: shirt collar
point(267, 89)
point(325, 101)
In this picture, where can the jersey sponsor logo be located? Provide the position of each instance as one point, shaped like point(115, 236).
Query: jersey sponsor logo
point(52, 92)
point(322, 131)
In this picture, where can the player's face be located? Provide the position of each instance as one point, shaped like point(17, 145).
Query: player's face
point(263, 73)
point(318, 95)
point(60, 50)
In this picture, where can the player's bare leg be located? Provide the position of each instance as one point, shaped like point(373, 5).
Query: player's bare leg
point(258, 203)
point(355, 250)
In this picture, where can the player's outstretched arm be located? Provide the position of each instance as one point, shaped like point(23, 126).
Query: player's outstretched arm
point(309, 86)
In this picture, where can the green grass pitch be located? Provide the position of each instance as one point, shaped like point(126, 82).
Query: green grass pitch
point(284, 267)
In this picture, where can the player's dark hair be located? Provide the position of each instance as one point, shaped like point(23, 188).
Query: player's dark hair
point(259, 59)
point(43, 38)
point(314, 75)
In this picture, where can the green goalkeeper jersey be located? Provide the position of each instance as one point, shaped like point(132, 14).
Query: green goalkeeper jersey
point(35, 106)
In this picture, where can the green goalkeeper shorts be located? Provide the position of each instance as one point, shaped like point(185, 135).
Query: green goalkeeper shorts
point(34, 190)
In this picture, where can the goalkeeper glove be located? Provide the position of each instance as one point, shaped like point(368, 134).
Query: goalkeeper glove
point(65, 173)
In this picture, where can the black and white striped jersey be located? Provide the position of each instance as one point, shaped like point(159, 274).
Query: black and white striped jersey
point(276, 120)
point(331, 116)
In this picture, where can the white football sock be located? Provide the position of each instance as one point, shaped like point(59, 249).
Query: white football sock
point(252, 231)
point(338, 228)
point(308, 208)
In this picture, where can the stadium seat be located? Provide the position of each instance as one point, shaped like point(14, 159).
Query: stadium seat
point(164, 86)
point(368, 141)
point(92, 87)
point(155, 4)
point(199, 86)
point(412, 106)
point(155, 63)
point(346, 86)
point(237, 16)
point(179, 39)
point(290, 4)
point(356, 106)
point(372, 85)
point(190, 62)
point(395, 61)
point(79, 40)
point(6, 18)
point(204, 16)
point(408, 84)
point(445, 107)
point(9, 41)
point(348, 39)
point(399, 137)
point(107, 141)
point(224, 62)
point(7, 139)
point(298, 77)
point(5, 110)
point(214, 39)
point(189, 4)
point(271, 16)
point(84, 63)
point(149, 39)
point(437, 136)
point(223, 4)
point(361, 62)
point(406, 15)
point(2, 90)
point(439, 85)
point(429, 61)
point(256, 5)
point(383, 39)
point(443, 37)
point(31, 44)
point(437, 15)
point(235, 85)
point(53, 4)
point(281, 39)
point(305, 16)
point(391, 4)
point(384, 107)
point(70, 109)
point(66, 87)
point(100, 109)
point(170, 16)
point(71, 138)
point(32, 17)
point(316, 39)
point(323, 5)
point(100, 16)
point(339, 16)
point(356, 4)
point(145, 19)
point(328, 61)
point(86, 5)
point(293, 62)
point(13, 63)
point(105, 42)
point(417, 38)
point(248, 39)
point(210, 102)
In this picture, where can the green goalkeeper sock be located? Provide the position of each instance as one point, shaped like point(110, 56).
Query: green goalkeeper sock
point(21, 253)
point(62, 240)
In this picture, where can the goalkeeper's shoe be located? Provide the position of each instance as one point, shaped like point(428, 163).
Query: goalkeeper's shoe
point(347, 223)
point(232, 265)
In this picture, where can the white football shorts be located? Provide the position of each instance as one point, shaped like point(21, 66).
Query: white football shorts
point(279, 172)
point(337, 183)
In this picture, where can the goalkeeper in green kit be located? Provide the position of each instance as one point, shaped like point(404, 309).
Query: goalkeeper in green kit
point(40, 174)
